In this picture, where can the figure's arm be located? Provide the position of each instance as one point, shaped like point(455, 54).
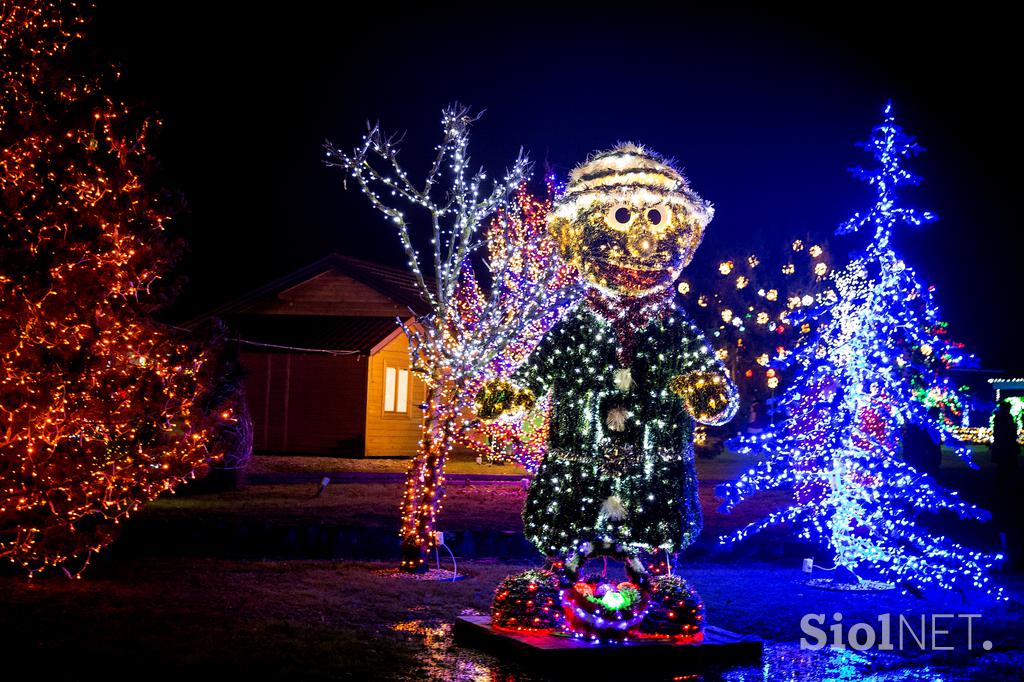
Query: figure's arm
point(703, 382)
point(519, 392)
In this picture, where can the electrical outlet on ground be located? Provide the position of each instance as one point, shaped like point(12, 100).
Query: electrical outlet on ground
point(808, 565)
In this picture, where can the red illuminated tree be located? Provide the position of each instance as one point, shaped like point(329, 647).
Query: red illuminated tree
point(100, 406)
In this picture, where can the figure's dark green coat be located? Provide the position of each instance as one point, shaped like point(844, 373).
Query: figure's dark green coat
point(648, 466)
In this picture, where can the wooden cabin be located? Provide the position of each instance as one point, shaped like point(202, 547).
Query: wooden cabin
point(327, 364)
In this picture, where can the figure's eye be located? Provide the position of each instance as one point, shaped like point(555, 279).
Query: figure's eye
point(620, 216)
point(657, 215)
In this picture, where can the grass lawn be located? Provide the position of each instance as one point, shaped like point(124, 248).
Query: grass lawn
point(725, 467)
point(288, 464)
point(467, 506)
point(364, 504)
point(142, 615)
point(147, 617)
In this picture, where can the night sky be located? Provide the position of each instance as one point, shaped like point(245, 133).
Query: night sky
point(762, 110)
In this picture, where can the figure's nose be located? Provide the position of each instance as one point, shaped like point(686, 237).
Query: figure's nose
point(641, 244)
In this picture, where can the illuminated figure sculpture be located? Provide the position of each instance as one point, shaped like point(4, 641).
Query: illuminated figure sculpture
point(628, 374)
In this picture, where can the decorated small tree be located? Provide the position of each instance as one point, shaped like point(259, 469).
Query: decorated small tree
point(225, 403)
point(100, 406)
point(521, 436)
point(873, 349)
point(748, 303)
point(473, 330)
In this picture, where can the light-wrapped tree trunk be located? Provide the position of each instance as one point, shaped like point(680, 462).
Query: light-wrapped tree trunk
point(424, 485)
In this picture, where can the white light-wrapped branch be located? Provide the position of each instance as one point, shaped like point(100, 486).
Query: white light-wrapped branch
point(454, 344)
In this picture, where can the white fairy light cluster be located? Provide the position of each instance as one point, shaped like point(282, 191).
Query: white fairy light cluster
point(454, 203)
point(854, 392)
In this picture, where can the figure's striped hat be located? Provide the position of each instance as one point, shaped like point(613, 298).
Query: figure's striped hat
point(630, 173)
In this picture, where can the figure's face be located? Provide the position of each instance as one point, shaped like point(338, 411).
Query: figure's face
point(629, 248)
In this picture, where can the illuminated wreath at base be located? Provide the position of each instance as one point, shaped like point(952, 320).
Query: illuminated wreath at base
point(599, 609)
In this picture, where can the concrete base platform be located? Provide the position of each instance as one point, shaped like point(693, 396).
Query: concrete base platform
point(719, 648)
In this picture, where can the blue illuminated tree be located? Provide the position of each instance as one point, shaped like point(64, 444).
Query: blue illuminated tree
point(875, 345)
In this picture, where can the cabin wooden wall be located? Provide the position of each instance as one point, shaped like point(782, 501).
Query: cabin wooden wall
point(322, 404)
point(390, 434)
point(306, 402)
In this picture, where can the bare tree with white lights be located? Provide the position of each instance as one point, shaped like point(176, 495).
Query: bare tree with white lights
point(469, 328)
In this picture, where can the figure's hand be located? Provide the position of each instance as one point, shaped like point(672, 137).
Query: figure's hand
point(498, 397)
point(708, 396)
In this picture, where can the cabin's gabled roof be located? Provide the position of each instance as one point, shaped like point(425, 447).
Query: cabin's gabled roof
point(399, 285)
point(396, 285)
point(358, 334)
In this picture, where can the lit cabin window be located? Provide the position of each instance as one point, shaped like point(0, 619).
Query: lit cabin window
point(396, 389)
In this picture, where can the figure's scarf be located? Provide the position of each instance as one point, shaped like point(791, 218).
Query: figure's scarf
point(629, 315)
